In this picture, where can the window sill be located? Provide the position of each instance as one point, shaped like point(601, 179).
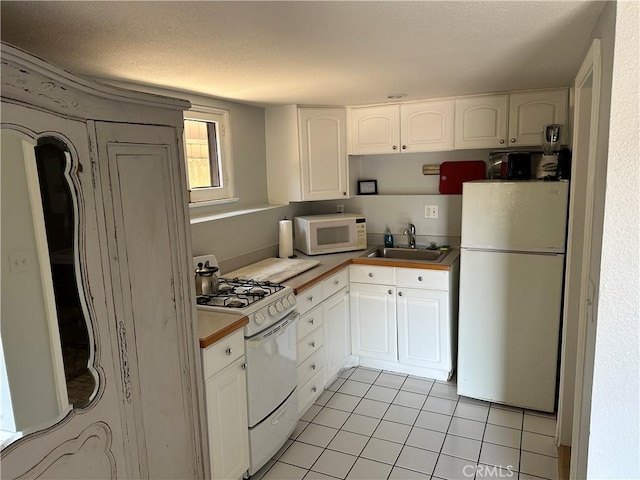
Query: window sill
point(202, 212)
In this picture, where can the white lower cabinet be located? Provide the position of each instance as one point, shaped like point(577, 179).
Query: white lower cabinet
point(310, 357)
point(226, 398)
point(423, 329)
point(337, 333)
point(324, 343)
point(373, 321)
point(407, 323)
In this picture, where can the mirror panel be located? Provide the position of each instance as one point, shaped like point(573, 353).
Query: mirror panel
point(47, 348)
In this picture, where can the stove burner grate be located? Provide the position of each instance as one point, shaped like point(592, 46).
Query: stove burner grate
point(237, 293)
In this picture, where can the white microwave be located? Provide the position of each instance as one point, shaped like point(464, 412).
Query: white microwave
point(341, 232)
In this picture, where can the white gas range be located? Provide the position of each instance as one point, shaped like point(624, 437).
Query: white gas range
point(271, 358)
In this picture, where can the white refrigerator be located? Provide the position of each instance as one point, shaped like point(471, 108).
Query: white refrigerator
point(511, 281)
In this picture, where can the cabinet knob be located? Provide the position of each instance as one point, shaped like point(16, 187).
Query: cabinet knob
point(313, 367)
point(228, 351)
point(502, 141)
point(310, 298)
point(311, 321)
point(419, 279)
point(314, 389)
point(370, 275)
point(513, 140)
point(395, 147)
point(390, 292)
point(244, 366)
point(344, 194)
point(336, 282)
point(313, 344)
point(400, 294)
point(404, 147)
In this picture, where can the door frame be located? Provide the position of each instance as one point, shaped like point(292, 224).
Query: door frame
point(587, 83)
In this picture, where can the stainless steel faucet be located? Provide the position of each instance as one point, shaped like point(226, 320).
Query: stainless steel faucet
point(411, 233)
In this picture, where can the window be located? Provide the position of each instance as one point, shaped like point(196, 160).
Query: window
point(208, 155)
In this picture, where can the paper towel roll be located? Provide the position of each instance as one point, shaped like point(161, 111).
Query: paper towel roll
point(286, 238)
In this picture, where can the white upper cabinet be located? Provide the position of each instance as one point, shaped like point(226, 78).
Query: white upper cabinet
point(501, 121)
point(426, 126)
point(481, 122)
point(375, 129)
point(306, 154)
point(530, 111)
point(408, 127)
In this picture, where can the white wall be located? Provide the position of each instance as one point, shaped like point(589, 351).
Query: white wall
point(397, 211)
point(402, 173)
point(615, 419)
point(25, 332)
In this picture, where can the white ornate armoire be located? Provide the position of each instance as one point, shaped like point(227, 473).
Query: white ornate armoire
point(134, 278)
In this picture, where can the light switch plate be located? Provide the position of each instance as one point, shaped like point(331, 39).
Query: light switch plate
point(431, 212)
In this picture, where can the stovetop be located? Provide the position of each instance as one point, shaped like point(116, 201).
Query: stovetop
point(237, 293)
point(264, 303)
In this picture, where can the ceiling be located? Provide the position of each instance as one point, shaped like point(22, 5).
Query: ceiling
point(311, 53)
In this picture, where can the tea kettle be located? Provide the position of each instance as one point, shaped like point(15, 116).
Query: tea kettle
point(206, 279)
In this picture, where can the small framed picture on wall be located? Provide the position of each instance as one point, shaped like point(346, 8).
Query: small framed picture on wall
point(367, 187)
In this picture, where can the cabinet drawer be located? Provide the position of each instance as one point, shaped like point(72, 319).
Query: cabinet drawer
point(372, 274)
point(310, 366)
point(335, 283)
point(309, 345)
point(422, 278)
point(222, 353)
point(309, 322)
point(310, 391)
point(309, 299)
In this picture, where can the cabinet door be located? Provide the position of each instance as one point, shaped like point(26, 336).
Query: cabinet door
point(226, 394)
point(426, 126)
point(142, 189)
point(530, 111)
point(481, 122)
point(323, 153)
point(375, 130)
point(373, 321)
point(423, 328)
point(337, 333)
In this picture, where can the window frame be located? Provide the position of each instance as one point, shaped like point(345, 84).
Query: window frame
point(225, 193)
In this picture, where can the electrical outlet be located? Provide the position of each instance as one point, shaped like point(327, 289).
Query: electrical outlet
point(339, 208)
point(431, 212)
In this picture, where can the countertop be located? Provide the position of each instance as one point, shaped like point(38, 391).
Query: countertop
point(331, 263)
point(214, 326)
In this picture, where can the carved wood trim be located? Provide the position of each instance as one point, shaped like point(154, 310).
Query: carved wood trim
point(95, 435)
point(124, 357)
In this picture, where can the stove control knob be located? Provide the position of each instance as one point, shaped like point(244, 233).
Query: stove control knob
point(279, 306)
point(272, 311)
point(285, 303)
point(292, 299)
point(259, 318)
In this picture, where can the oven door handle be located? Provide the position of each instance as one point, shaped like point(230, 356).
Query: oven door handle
point(285, 324)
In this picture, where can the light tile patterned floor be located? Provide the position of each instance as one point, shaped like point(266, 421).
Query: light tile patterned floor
point(373, 424)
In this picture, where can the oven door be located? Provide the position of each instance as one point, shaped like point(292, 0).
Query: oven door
point(271, 367)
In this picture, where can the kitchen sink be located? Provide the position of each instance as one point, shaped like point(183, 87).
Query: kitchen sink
point(433, 256)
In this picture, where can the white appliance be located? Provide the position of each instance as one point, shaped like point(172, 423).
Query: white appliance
point(340, 232)
point(271, 358)
point(511, 281)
